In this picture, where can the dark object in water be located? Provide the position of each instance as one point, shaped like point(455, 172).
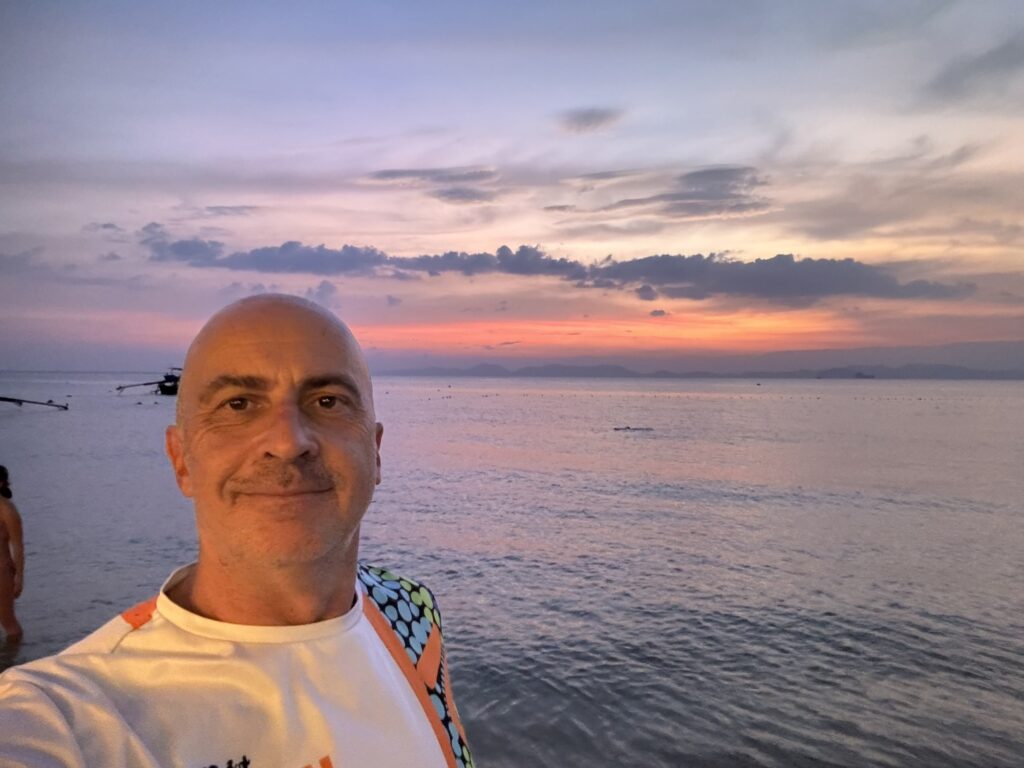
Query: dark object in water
point(18, 401)
point(633, 429)
point(168, 385)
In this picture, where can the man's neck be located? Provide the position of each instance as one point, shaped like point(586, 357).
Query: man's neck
point(265, 595)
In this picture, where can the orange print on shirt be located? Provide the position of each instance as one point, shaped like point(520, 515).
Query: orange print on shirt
point(430, 661)
point(140, 614)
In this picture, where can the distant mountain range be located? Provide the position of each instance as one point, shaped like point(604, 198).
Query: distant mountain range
point(556, 370)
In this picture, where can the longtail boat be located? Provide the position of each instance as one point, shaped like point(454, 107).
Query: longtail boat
point(168, 385)
point(20, 401)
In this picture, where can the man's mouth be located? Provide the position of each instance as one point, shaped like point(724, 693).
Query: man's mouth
point(282, 493)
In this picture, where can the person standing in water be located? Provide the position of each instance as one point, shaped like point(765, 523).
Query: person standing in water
point(12, 559)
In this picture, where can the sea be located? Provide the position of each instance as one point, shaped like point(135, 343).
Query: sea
point(632, 572)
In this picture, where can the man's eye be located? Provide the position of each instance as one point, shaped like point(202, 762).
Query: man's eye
point(237, 404)
point(327, 401)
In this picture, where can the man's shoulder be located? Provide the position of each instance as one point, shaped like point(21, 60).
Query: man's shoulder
point(103, 641)
point(389, 579)
point(408, 612)
point(385, 587)
point(108, 638)
point(369, 573)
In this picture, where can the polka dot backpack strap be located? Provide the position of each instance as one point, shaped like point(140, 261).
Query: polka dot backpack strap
point(406, 616)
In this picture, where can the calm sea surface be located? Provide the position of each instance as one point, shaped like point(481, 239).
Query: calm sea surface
point(801, 573)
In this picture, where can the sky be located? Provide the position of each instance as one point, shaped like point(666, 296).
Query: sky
point(653, 184)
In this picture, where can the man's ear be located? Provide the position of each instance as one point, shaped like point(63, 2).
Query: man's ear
point(176, 453)
point(380, 434)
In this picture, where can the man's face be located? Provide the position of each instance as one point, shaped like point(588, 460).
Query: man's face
point(276, 441)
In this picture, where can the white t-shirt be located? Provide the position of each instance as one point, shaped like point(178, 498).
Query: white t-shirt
point(177, 689)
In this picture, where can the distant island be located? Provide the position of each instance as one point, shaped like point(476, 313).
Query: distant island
point(563, 371)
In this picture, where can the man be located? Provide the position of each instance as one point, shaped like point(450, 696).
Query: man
point(276, 647)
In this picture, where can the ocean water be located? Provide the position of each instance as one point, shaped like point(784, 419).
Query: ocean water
point(796, 573)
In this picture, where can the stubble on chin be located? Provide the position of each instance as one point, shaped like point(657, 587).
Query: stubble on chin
point(255, 530)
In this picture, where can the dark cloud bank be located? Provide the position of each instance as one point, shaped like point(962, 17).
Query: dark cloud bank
point(782, 279)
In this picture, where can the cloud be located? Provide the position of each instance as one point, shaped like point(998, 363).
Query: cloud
point(23, 261)
point(289, 257)
point(457, 185)
point(111, 256)
point(457, 175)
point(616, 175)
point(110, 231)
point(460, 195)
point(237, 290)
point(27, 264)
point(646, 293)
point(450, 261)
point(501, 344)
point(923, 193)
point(192, 251)
point(782, 279)
point(230, 210)
point(984, 73)
point(627, 228)
point(108, 227)
point(527, 260)
point(963, 229)
point(720, 183)
point(658, 313)
point(323, 294)
point(589, 119)
point(397, 274)
point(706, 193)
point(874, 24)
point(393, 301)
point(294, 257)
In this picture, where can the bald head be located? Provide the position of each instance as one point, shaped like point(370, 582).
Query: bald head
point(276, 441)
point(269, 326)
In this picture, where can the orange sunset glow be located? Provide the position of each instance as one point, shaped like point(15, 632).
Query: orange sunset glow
point(648, 210)
point(732, 332)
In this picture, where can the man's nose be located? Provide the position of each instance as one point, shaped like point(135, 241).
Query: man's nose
point(288, 434)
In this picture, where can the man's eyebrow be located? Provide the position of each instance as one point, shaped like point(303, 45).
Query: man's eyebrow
point(342, 380)
point(255, 383)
